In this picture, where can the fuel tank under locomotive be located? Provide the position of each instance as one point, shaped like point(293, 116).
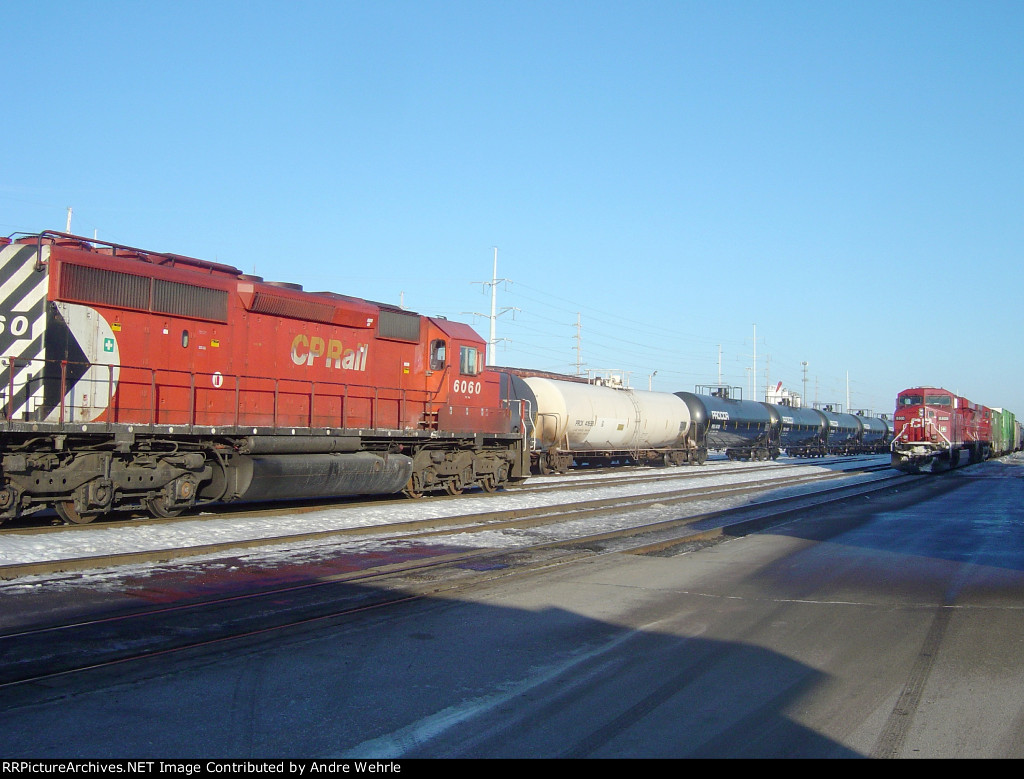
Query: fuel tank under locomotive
point(268, 477)
point(743, 428)
point(593, 423)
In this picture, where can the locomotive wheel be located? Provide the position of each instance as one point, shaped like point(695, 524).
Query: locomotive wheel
point(488, 483)
point(158, 508)
point(66, 510)
point(454, 486)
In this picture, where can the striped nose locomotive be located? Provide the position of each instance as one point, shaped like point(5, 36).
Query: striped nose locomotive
point(140, 380)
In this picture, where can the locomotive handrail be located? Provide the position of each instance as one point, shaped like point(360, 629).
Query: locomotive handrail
point(164, 381)
point(541, 414)
point(214, 399)
point(63, 388)
point(143, 254)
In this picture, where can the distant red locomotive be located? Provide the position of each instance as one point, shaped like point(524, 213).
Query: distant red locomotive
point(132, 379)
point(933, 426)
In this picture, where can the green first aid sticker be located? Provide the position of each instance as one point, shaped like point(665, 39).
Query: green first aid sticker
point(108, 344)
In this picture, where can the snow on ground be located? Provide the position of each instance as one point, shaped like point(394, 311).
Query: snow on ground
point(21, 548)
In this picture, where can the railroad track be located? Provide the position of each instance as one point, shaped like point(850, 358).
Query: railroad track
point(43, 523)
point(584, 478)
point(450, 517)
point(49, 653)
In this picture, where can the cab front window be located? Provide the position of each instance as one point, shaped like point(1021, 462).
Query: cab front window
point(911, 400)
point(938, 400)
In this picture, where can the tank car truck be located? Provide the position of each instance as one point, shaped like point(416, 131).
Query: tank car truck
point(133, 379)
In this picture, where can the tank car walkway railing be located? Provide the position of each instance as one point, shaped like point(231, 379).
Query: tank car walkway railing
point(121, 394)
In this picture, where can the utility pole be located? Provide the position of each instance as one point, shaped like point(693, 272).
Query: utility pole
point(493, 284)
point(719, 365)
point(804, 398)
point(68, 228)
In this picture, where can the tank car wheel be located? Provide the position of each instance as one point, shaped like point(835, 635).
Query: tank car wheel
point(66, 511)
point(702, 456)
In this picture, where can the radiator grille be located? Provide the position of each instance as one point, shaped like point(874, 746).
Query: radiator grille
point(265, 303)
point(393, 324)
point(126, 290)
point(171, 297)
point(95, 285)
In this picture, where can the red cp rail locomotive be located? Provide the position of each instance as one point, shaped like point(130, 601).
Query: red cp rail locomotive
point(133, 379)
point(933, 426)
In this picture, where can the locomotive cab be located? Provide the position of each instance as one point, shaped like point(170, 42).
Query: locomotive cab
point(463, 394)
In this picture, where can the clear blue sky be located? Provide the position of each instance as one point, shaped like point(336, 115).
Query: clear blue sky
point(846, 176)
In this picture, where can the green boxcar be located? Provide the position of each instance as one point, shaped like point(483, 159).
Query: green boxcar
point(1004, 432)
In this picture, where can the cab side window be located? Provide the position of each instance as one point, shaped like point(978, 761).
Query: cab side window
point(436, 355)
point(469, 361)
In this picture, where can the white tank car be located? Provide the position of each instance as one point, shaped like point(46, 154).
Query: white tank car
point(590, 422)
